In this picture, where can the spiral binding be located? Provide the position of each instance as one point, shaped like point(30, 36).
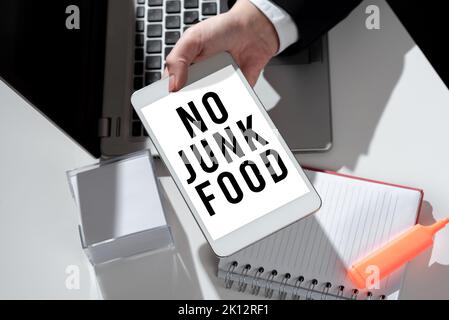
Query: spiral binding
point(310, 290)
point(228, 280)
point(340, 291)
point(259, 278)
point(282, 293)
point(242, 284)
point(326, 288)
point(299, 281)
point(268, 289)
point(255, 286)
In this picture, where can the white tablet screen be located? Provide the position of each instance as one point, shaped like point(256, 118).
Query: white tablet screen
point(228, 159)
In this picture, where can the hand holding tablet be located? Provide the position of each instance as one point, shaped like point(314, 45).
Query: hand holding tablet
point(234, 170)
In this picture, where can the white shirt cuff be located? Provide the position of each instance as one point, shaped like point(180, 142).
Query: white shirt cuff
point(282, 22)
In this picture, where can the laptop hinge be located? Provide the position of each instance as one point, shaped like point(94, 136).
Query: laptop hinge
point(104, 127)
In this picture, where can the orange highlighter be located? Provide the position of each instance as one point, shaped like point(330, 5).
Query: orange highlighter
point(395, 254)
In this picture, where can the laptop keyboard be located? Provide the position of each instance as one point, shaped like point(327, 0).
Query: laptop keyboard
point(159, 25)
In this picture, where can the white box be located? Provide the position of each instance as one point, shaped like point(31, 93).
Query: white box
point(120, 209)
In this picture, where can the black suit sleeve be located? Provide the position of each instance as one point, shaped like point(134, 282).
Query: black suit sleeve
point(314, 17)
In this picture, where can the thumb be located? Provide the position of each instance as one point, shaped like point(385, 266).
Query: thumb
point(182, 55)
point(251, 73)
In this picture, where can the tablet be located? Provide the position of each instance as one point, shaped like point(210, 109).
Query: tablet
point(237, 175)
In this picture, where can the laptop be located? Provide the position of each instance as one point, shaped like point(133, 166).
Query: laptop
point(82, 78)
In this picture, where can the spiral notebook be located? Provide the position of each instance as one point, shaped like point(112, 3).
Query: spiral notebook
point(309, 259)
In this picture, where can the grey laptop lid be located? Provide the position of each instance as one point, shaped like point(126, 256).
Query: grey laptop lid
point(59, 70)
point(298, 97)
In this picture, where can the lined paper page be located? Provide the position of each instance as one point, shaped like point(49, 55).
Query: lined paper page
point(356, 218)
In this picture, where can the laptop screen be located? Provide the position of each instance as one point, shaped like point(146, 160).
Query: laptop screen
point(59, 70)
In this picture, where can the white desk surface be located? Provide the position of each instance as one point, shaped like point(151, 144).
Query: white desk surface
point(391, 122)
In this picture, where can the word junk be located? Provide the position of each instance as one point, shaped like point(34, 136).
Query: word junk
point(230, 149)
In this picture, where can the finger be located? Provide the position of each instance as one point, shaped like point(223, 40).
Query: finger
point(180, 58)
point(251, 73)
